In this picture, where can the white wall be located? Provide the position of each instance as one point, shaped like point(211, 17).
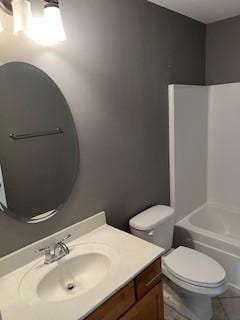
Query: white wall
point(188, 120)
point(224, 145)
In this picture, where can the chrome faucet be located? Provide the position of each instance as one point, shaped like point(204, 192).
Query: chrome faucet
point(57, 252)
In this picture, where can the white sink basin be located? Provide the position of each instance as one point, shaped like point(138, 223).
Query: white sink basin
point(85, 268)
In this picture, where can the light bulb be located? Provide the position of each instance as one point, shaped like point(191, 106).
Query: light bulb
point(54, 24)
point(40, 34)
point(22, 16)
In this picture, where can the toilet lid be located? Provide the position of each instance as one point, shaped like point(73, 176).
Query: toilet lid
point(151, 218)
point(194, 267)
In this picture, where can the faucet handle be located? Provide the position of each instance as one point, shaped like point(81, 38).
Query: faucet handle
point(66, 238)
point(45, 250)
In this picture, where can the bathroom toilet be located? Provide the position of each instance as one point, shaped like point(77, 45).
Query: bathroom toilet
point(193, 278)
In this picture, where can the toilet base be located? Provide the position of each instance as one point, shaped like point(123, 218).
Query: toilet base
point(190, 305)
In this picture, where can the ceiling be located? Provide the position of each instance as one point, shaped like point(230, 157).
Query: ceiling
point(206, 11)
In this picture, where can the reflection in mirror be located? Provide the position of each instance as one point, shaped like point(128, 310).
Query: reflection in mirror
point(38, 144)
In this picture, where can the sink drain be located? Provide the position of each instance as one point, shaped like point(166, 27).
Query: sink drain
point(71, 286)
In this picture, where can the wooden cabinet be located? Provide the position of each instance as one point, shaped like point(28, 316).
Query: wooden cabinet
point(117, 305)
point(150, 307)
point(141, 299)
point(148, 279)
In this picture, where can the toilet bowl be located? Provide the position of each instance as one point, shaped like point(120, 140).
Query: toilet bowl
point(197, 279)
point(193, 277)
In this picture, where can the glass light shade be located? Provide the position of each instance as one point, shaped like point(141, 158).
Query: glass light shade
point(54, 24)
point(38, 32)
point(22, 16)
point(1, 26)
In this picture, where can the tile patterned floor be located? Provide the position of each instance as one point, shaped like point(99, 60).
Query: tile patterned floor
point(225, 307)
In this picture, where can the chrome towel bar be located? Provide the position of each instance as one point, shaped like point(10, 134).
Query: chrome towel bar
point(35, 134)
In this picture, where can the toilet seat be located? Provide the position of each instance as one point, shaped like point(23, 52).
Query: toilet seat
point(211, 292)
point(190, 268)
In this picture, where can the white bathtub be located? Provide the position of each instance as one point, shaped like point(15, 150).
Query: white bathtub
point(215, 231)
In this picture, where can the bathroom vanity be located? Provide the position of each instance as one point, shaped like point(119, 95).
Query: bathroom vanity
point(108, 274)
point(140, 299)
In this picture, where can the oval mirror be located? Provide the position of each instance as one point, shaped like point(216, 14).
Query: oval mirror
point(38, 144)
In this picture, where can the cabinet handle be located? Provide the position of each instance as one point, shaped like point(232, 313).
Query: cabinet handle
point(153, 279)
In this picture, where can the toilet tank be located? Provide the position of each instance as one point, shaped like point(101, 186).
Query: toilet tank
point(155, 225)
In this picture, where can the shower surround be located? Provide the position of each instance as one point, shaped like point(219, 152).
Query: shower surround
point(204, 133)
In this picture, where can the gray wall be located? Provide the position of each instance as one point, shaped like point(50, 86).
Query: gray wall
point(223, 51)
point(114, 71)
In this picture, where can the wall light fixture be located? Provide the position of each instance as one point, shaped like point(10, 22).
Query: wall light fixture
point(46, 30)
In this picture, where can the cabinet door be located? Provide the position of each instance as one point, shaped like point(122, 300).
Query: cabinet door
point(150, 307)
point(117, 305)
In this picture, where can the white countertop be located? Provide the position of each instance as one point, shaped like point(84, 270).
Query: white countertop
point(132, 255)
